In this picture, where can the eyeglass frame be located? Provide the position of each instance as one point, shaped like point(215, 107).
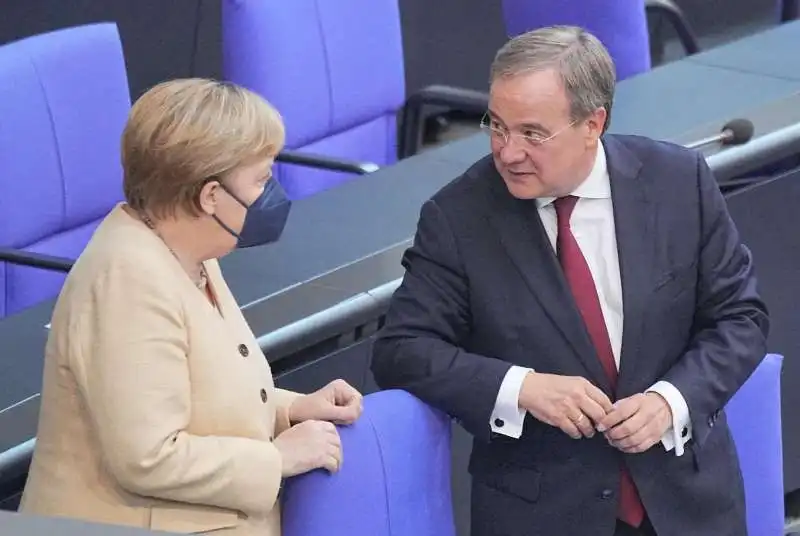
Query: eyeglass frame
point(534, 141)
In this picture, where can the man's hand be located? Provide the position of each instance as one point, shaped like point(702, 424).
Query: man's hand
point(570, 403)
point(337, 402)
point(637, 423)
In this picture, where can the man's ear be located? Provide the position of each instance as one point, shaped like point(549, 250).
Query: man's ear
point(596, 123)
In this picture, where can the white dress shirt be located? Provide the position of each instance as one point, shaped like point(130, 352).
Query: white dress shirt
point(592, 224)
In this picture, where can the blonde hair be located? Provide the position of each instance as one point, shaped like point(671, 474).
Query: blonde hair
point(181, 133)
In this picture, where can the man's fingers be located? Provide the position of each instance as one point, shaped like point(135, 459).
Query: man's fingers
point(622, 411)
point(584, 425)
point(569, 428)
point(628, 427)
point(599, 397)
point(638, 442)
point(592, 409)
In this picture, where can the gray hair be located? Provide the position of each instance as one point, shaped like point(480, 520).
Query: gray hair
point(583, 63)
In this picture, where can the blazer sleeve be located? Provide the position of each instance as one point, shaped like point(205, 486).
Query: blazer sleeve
point(429, 317)
point(284, 401)
point(731, 321)
point(131, 367)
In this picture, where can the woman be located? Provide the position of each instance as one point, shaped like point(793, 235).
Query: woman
point(158, 408)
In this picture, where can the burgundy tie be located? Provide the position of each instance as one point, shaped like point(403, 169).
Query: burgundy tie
point(580, 281)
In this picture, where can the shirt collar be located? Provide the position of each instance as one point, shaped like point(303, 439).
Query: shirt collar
point(595, 186)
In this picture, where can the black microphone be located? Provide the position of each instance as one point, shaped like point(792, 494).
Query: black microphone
point(735, 132)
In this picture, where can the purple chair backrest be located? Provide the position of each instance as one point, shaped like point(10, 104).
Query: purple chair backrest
point(754, 417)
point(334, 70)
point(64, 99)
point(621, 26)
point(394, 481)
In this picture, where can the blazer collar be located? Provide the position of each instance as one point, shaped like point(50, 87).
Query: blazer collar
point(596, 186)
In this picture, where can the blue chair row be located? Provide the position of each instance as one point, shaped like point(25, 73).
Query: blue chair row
point(395, 479)
point(64, 99)
point(335, 72)
point(620, 26)
point(64, 96)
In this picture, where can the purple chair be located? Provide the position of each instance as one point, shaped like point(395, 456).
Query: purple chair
point(754, 417)
point(395, 479)
point(621, 26)
point(64, 100)
point(335, 72)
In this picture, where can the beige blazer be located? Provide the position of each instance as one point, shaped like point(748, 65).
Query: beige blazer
point(157, 410)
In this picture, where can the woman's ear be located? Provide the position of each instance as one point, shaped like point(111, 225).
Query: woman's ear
point(208, 197)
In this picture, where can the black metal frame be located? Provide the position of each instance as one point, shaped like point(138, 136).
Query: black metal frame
point(36, 260)
point(669, 10)
point(329, 163)
point(411, 124)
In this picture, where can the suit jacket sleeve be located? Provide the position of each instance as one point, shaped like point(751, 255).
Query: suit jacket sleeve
point(284, 401)
point(132, 368)
point(420, 348)
point(731, 321)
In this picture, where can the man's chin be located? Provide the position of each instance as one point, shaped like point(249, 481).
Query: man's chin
point(523, 190)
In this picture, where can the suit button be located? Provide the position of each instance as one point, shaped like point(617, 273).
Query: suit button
point(244, 350)
point(264, 395)
point(499, 423)
point(606, 494)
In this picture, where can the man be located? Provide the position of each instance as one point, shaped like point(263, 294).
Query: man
point(583, 306)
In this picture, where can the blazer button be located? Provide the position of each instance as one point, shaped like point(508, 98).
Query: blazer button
point(606, 494)
point(244, 350)
point(499, 423)
point(264, 395)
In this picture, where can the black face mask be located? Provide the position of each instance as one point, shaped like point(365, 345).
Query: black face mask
point(266, 217)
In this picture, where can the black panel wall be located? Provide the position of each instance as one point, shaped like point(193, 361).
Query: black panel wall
point(162, 39)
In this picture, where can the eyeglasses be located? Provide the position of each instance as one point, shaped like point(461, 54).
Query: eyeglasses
point(502, 134)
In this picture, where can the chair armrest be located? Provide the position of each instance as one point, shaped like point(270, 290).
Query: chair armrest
point(677, 19)
point(325, 162)
point(35, 260)
point(411, 122)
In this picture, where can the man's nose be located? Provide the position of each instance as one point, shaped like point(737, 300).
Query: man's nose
point(511, 152)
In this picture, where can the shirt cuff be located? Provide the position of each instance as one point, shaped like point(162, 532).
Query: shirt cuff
point(507, 418)
point(680, 432)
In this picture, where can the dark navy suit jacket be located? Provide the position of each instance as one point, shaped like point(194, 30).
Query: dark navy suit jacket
point(483, 290)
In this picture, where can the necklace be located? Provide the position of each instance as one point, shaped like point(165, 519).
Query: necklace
point(201, 284)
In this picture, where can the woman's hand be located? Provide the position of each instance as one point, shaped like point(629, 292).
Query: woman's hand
point(309, 445)
point(337, 402)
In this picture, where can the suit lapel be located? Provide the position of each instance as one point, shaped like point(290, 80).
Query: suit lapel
point(637, 243)
point(522, 234)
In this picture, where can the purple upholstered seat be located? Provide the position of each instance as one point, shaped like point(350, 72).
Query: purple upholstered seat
point(621, 26)
point(334, 70)
point(395, 479)
point(754, 417)
point(64, 100)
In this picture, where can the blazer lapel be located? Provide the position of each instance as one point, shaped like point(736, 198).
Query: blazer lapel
point(522, 234)
point(637, 243)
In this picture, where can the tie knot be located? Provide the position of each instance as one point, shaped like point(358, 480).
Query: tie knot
point(564, 207)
